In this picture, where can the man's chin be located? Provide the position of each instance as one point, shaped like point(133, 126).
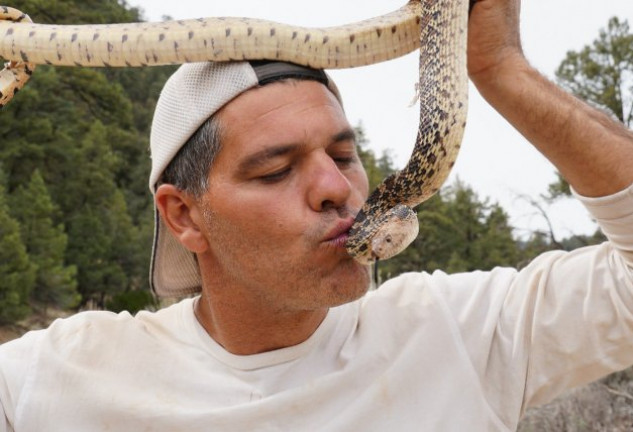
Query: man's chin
point(351, 285)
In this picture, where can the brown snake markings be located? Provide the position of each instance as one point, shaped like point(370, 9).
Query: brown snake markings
point(441, 25)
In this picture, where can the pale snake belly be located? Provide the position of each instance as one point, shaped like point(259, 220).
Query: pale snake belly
point(386, 224)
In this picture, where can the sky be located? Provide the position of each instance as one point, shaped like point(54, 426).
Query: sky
point(494, 160)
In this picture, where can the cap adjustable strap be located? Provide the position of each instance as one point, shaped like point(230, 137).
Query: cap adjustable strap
point(270, 71)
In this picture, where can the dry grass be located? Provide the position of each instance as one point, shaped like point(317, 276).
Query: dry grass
point(604, 406)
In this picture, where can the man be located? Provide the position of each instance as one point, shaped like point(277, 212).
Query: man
point(256, 181)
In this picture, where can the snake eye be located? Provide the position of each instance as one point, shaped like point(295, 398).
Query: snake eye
point(388, 239)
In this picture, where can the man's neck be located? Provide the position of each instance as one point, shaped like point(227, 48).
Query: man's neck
point(244, 331)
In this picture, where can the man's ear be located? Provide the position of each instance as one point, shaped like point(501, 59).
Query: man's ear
point(181, 213)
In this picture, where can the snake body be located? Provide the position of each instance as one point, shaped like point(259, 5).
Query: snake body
point(386, 224)
point(387, 217)
point(216, 39)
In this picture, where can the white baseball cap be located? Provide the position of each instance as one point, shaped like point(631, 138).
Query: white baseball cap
point(190, 96)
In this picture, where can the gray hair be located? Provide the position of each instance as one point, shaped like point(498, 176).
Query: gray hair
point(189, 169)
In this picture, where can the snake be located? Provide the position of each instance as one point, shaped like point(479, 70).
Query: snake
point(387, 223)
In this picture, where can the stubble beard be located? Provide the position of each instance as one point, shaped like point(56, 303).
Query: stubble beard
point(310, 288)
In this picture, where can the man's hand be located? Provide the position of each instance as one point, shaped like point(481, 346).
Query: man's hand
point(493, 38)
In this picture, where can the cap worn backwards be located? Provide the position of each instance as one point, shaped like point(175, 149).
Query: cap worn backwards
point(190, 96)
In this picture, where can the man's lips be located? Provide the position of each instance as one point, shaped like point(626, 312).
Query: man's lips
point(339, 234)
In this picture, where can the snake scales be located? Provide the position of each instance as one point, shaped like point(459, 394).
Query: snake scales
point(386, 223)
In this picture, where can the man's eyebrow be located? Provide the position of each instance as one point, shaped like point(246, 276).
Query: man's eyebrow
point(345, 135)
point(259, 158)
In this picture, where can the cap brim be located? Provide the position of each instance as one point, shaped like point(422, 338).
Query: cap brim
point(173, 269)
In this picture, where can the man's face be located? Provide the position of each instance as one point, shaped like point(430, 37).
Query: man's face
point(283, 191)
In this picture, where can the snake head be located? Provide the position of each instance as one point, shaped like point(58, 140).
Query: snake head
point(400, 228)
point(394, 231)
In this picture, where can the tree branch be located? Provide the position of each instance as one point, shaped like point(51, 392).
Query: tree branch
point(618, 393)
point(537, 205)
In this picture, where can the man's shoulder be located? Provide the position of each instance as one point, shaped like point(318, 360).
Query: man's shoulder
point(402, 298)
point(438, 290)
point(407, 287)
point(98, 329)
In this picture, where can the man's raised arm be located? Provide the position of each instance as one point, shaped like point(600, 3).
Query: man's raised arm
point(593, 152)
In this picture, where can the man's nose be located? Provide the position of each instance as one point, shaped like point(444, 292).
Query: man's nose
point(328, 186)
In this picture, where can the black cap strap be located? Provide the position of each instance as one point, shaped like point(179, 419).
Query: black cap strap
point(270, 71)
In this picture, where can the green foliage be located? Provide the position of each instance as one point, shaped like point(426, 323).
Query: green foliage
point(560, 188)
point(377, 168)
point(102, 236)
point(132, 301)
point(598, 73)
point(458, 232)
point(602, 75)
point(77, 11)
point(86, 132)
point(45, 242)
point(17, 272)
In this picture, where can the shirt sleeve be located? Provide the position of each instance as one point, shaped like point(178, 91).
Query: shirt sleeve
point(564, 320)
point(614, 214)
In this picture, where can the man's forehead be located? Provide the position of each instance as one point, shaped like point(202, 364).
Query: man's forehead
point(260, 128)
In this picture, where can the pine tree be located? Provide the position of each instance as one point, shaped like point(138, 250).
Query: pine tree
point(45, 243)
point(103, 240)
point(45, 128)
point(17, 273)
point(458, 232)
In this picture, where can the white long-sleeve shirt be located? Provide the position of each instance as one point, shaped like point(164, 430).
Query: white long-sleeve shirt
point(423, 352)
